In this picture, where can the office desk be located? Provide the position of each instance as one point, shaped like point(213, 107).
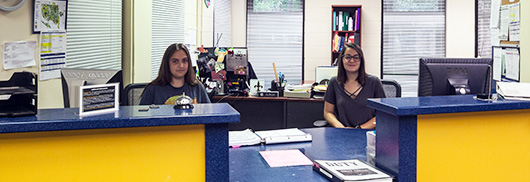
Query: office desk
point(246, 164)
point(266, 113)
point(453, 138)
point(161, 144)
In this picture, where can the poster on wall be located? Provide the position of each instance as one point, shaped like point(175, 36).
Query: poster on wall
point(52, 54)
point(49, 15)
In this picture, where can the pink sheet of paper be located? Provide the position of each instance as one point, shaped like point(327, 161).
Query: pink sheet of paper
point(281, 158)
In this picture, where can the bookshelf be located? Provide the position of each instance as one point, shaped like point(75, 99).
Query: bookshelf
point(343, 29)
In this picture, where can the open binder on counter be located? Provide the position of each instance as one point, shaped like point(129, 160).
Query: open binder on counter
point(248, 137)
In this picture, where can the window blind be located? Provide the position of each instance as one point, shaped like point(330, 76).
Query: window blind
point(94, 34)
point(167, 28)
point(411, 29)
point(275, 35)
point(483, 28)
point(222, 17)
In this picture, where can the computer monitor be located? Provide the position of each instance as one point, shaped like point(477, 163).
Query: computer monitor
point(454, 76)
point(324, 73)
point(72, 79)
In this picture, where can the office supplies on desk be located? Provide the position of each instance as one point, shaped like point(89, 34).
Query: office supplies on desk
point(349, 170)
point(282, 158)
point(247, 137)
point(268, 94)
point(301, 91)
point(18, 95)
point(256, 85)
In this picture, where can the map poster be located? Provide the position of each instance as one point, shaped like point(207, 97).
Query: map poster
point(49, 15)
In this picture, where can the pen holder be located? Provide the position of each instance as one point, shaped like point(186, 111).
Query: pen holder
point(274, 85)
point(280, 91)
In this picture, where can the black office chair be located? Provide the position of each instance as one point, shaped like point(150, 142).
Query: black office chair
point(133, 93)
point(392, 88)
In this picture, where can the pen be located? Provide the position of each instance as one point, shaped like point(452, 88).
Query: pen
point(276, 74)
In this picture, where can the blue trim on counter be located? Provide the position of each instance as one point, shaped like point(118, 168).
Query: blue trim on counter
point(127, 116)
point(442, 104)
point(216, 141)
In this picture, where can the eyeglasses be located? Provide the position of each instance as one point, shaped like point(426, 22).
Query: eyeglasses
point(356, 58)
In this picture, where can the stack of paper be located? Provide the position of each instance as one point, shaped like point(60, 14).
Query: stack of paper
point(514, 90)
point(245, 137)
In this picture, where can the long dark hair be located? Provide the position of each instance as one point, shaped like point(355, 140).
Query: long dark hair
point(341, 73)
point(164, 74)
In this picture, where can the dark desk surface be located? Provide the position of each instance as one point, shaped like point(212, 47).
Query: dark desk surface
point(246, 164)
point(254, 98)
point(267, 113)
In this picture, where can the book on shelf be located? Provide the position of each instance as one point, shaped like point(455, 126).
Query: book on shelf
point(345, 19)
point(249, 137)
point(334, 20)
point(341, 21)
point(340, 40)
point(514, 90)
point(357, 19)
point(350, 170)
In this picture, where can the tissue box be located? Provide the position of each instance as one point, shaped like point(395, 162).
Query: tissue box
point(370, 139)
point(370, 155)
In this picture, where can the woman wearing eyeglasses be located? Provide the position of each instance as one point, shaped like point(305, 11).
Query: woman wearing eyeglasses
point(347, 93)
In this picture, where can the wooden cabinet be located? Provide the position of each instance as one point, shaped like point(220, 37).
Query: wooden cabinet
point(346, 27)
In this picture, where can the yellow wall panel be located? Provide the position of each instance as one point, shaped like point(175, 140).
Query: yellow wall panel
point(163, 153)
point(476, 146)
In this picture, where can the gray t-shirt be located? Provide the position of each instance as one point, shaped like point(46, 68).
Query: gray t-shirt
point(156, 94)
point(352, 112)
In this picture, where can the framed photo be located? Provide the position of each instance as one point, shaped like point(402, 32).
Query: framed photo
point(49, 15)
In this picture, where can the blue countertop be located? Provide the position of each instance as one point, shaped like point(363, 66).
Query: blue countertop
point(442, 104)
point(246, 164)
point(127, 116)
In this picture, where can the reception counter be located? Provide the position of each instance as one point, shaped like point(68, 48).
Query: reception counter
point(162, 144)
point(453, 138)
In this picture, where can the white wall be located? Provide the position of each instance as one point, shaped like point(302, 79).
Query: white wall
point(141, 41)
point(239, 23)
point(317, 45)
point(525, 41)
point(16, 26)
point(198, 18)
point(460, 29)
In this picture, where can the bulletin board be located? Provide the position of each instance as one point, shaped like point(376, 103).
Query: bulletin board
point(514, 5)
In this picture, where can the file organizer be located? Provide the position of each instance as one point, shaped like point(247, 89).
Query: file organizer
point(18, 95)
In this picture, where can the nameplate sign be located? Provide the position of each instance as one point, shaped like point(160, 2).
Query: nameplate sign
point(98, 99)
